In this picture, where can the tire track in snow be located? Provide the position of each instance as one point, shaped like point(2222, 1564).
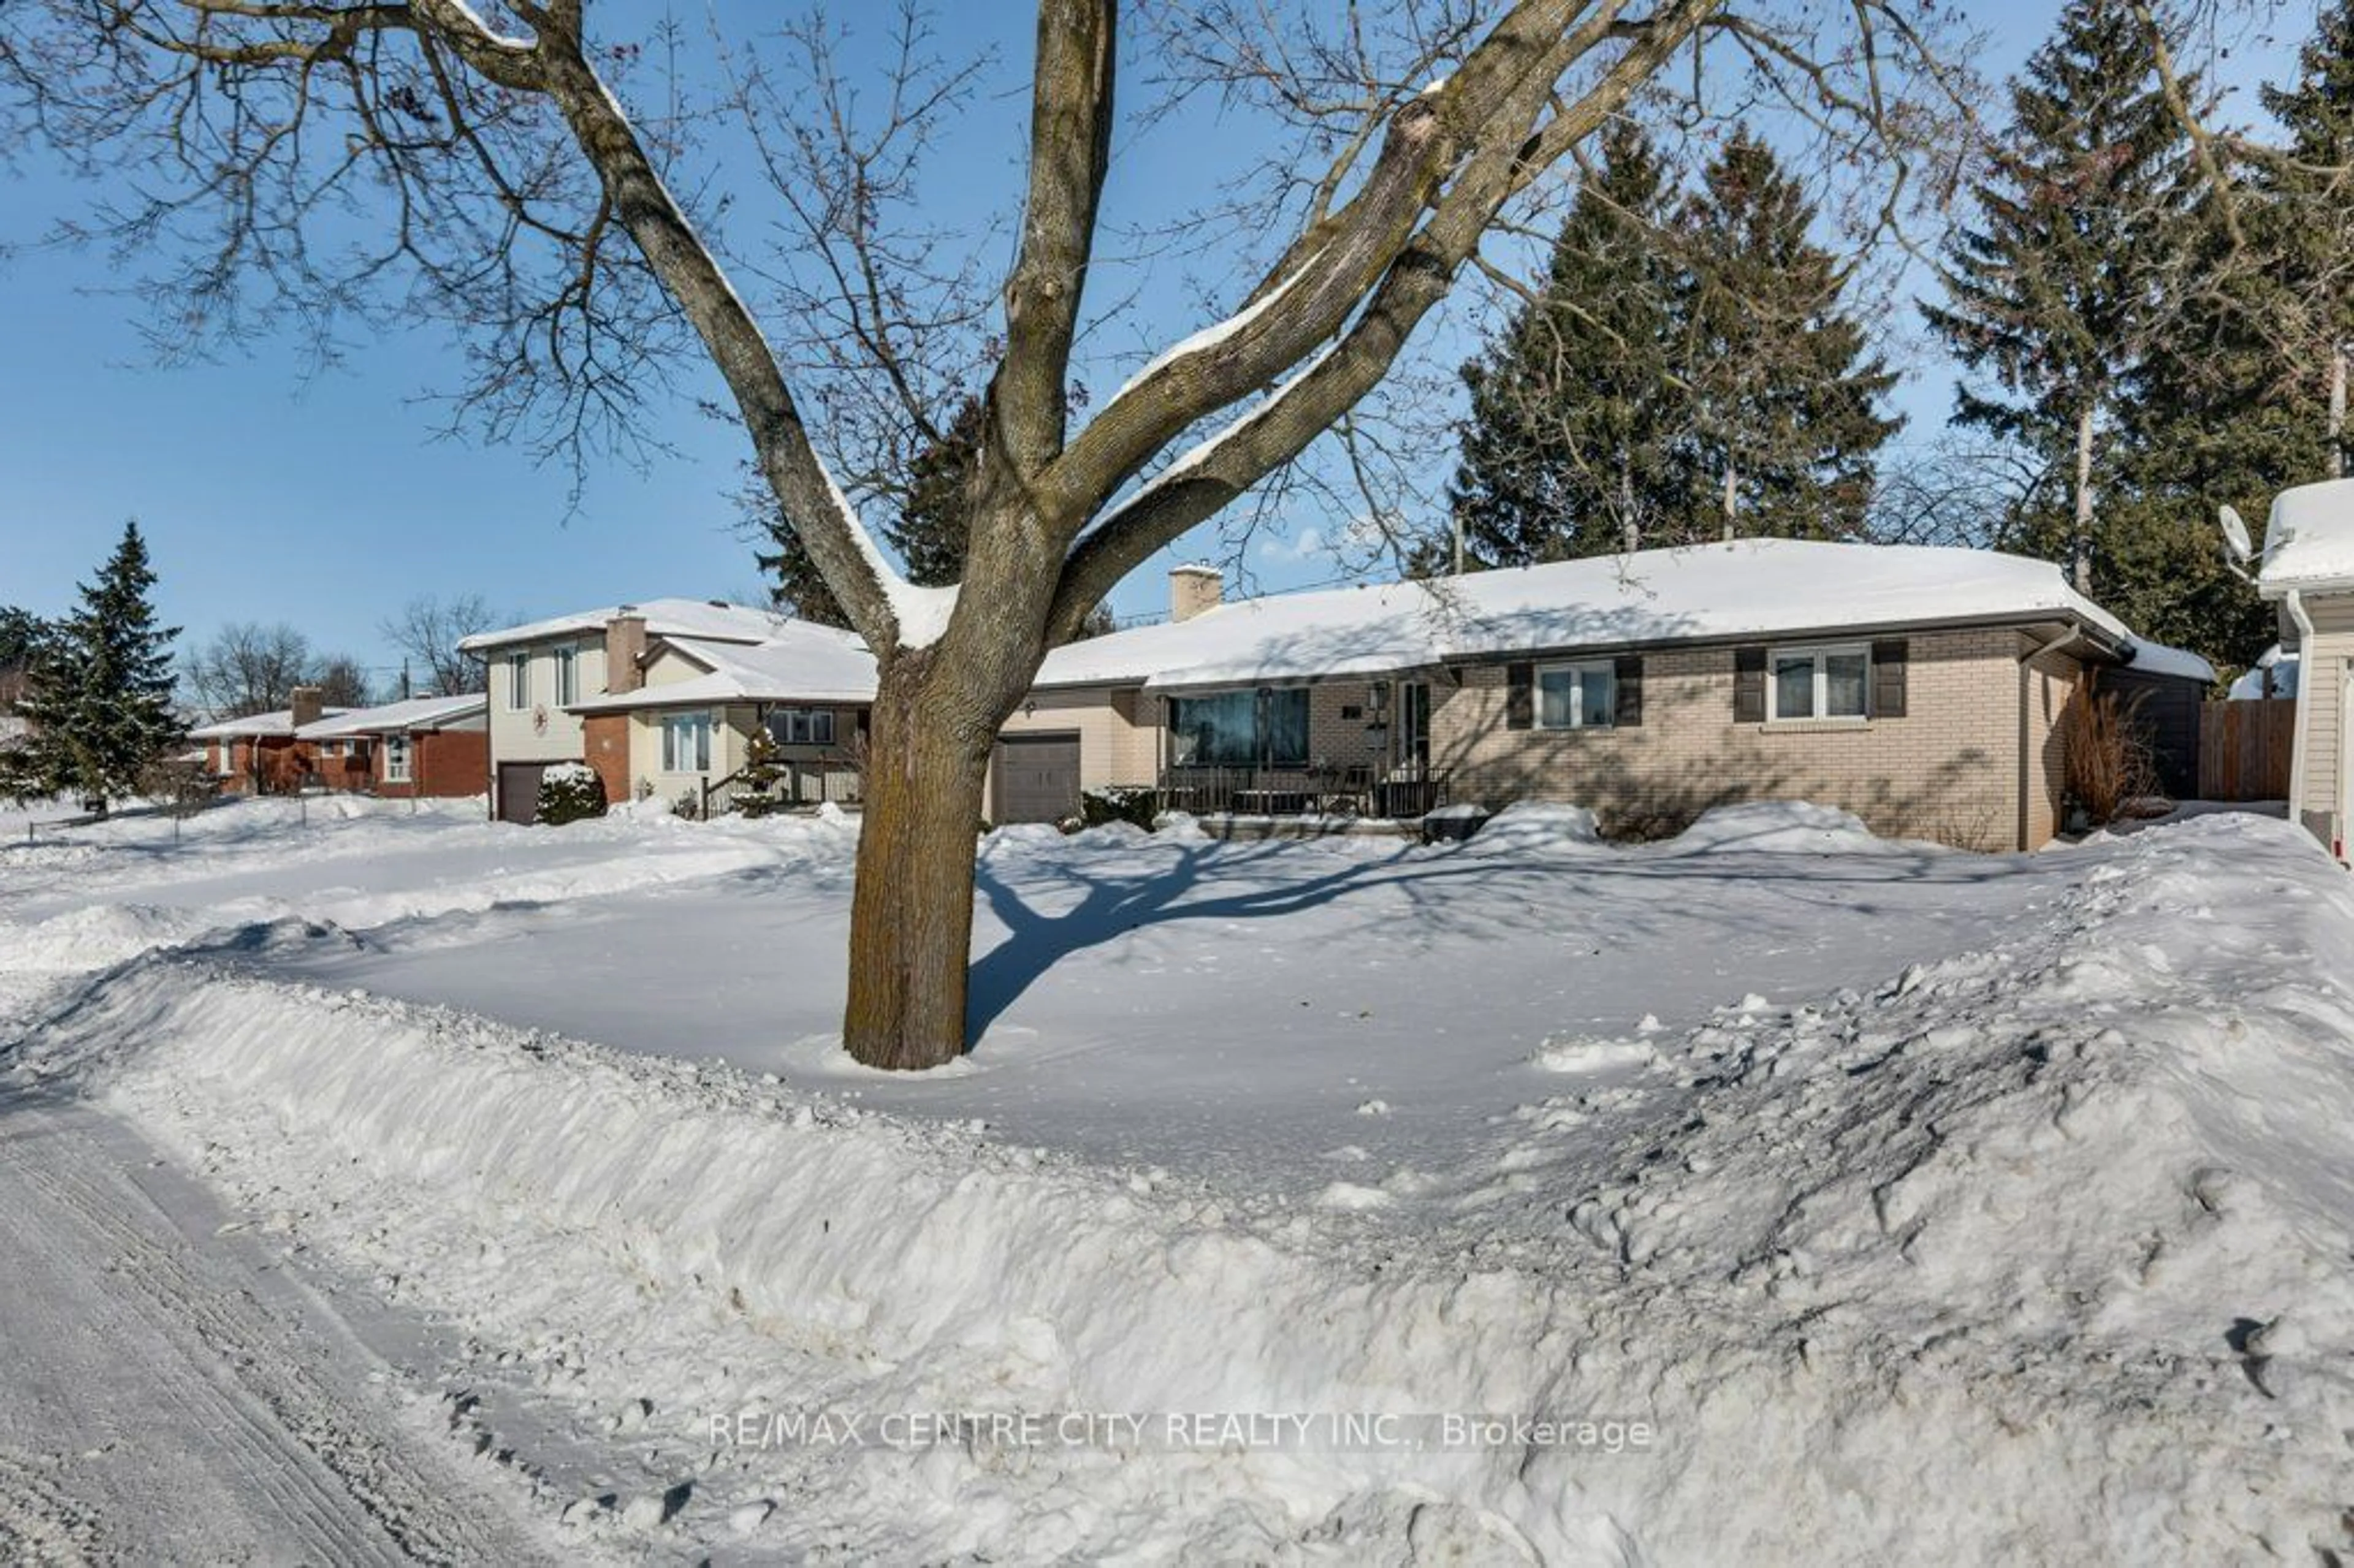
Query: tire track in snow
point(162, 1410)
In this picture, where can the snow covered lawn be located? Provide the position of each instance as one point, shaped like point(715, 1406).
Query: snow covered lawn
point(1834, 1199)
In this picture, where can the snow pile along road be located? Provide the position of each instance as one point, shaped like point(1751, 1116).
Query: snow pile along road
point(2038, 1252)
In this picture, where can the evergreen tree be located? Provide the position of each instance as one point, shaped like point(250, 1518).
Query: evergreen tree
point(2060, 290)
point(929, 531)
point(99, 695)
point(1784, 402)
point(2212, 414)
point(1569, 449)
point(2307, 227)
point(20, 634)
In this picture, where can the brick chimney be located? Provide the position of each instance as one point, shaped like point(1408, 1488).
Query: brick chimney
point(625, 644)
point(309, 704)
point(1195, 589)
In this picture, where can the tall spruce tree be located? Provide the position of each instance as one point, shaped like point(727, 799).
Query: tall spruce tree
point(1569, 449)
point(928, 528)
point(2308, 222)
point(2059, 291)
point(2215, 411)
point(1784, 402)
point(98, 694)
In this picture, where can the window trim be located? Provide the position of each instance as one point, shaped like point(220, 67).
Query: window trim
point(401, 747)
point(1580, 669)
point(1822, 655)
point(567, 676)
point(519, 681)
point(695, 722)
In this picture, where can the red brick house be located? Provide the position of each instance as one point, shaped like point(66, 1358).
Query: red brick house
point(259, 754)
point(423, 747)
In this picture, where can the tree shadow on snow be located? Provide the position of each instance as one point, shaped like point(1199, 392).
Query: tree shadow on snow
point(1223, 881)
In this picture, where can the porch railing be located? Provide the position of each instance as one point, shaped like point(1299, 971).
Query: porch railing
point(1356, 791)
point(797, 783)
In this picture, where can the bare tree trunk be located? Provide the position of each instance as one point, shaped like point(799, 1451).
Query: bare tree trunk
point(911, 909)
point(2080, 543)
point(1732, 494)
point(2338, 410)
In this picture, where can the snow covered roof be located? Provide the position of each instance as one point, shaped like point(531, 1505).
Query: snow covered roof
point(2309, 538)
point(699, 618)
point(394, 719)
point(1749, 588)
point(803, 663)
point(2281, 666)
point(279, 723)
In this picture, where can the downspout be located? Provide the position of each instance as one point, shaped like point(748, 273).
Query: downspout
point(2056, 644)
point(2296, 750)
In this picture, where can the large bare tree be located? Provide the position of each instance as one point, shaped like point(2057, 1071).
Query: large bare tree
point(490, 154)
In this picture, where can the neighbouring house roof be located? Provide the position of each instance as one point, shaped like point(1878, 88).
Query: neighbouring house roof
point(2310, 539)
point(1749, 588)
point(261, 725)
point(399, 718)
point(801, 664)
point(2283, 668)
point(665, 618)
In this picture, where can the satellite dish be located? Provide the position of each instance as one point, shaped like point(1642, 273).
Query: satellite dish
point(2236, 535)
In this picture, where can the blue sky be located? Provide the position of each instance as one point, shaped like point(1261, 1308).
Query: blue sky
point(269, 493)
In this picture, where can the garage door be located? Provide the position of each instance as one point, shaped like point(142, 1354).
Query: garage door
point(1037, 779)
point(519, 792)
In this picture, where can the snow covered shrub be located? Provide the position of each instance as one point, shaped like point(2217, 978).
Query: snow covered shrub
point(1134, 804)
point(2105, 762)
point(569, 791)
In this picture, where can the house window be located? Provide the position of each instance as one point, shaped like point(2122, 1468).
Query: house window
point(396, 759)
point(1576, 696)
point(225, 758)
point(518, 681)
point(1820, 682)
point(802, 726)
point(566, 688)
point(1264, 728)
point(686, 743)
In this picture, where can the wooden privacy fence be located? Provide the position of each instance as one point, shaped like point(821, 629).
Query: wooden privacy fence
point(2244, 749)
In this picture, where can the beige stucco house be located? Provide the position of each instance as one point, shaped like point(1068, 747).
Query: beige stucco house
point(683, 730)
point(540, 674)
point(1921, 688)
point(2307, 570)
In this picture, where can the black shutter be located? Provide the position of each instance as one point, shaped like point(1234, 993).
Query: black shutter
point(1749, 685)
point(1888, 661)
point(1520, 696)
point(1627, 691)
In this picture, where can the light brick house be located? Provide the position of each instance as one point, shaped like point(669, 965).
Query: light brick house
point(1920, 688)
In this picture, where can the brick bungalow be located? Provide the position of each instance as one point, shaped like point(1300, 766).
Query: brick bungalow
point(423, 747)
point(259, 754)
point(1921, 688)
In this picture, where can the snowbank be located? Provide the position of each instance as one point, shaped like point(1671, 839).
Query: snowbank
point(1783, 827)
point(1535, 826)
point(2037, 1252)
